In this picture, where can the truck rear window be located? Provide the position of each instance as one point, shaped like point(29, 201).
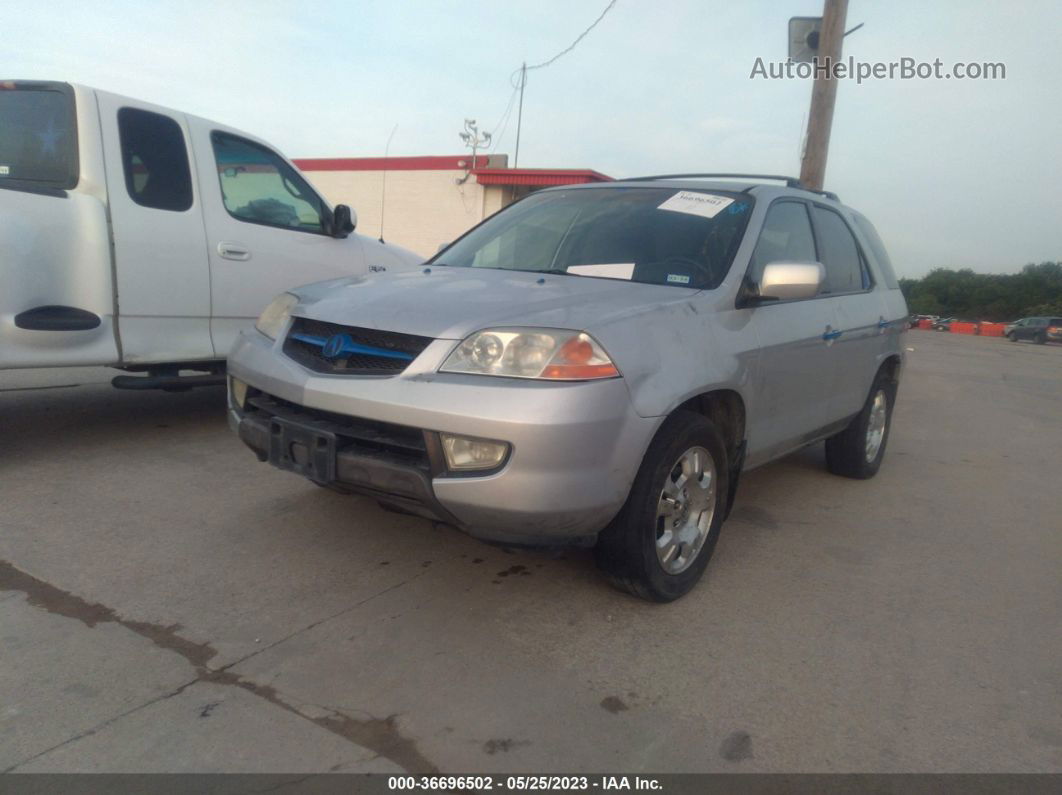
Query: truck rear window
point(38, 136)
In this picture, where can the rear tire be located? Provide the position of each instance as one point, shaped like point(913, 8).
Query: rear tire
point(658, 546)
point(857, 451)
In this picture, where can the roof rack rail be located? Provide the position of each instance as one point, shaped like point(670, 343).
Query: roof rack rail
point(791, 182)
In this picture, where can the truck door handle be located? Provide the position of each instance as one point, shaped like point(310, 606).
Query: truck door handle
point(830, 334)
point(233, 251)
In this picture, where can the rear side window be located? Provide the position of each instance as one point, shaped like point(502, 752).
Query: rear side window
point(785, 237)
point(38, 137)
point(155, 160)
point(840, 253)
point(259, 187)
point(877, 249)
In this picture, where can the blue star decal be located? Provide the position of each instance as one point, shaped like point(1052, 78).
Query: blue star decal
point(49, 138)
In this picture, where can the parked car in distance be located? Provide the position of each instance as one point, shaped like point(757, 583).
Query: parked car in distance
point(139, 237)
point(593, 365)
point(1036, 329)
point(943, 323)
point(916, 319)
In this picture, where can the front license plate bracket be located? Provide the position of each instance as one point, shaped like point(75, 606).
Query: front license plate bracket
point(307, 451)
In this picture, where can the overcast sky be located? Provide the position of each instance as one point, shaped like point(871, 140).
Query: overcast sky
point(953, 173)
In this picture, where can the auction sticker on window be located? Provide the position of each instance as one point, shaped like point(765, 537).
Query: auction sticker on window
point(691, 203)
point(605, 270)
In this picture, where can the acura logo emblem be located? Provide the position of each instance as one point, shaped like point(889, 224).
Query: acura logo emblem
point(335, 345)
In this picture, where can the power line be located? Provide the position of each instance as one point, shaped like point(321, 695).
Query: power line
point(503, 120)
point(571, 46)
point(522, 71)
point(518, 86)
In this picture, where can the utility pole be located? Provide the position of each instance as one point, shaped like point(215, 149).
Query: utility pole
point(520, 113)
point(823, 95)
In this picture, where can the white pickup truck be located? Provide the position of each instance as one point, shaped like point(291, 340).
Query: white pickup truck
point(142, 238)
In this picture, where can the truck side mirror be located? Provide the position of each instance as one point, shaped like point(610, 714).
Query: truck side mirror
point(343, 221)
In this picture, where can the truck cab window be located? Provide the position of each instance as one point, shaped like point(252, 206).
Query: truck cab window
point(155, 160)
point(259, 187)
point(38, 142)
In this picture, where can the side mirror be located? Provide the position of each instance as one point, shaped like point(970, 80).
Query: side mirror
point(344, 220)
point(785, 281)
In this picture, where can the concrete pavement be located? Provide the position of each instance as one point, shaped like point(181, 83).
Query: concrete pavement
point(167, 603)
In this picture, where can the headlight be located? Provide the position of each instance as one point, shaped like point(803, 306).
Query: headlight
point(271, 321)
point(554, 354)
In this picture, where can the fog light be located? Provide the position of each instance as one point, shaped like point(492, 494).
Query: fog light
point(238, 390)
point(464, 453)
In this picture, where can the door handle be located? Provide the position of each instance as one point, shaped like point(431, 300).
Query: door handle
point(233, 251)
point(830, 334)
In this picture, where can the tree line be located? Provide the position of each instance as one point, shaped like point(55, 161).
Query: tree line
point(1036, 290)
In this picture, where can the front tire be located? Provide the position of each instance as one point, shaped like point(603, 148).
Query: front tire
point(857, 451)
point(1012, 337)
point(658, 546)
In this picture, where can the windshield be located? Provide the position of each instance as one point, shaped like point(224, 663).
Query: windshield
point(653, 235)
point(37, 138)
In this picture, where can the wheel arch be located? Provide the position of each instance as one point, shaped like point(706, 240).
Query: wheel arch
point(891, 366)
point(726, 409)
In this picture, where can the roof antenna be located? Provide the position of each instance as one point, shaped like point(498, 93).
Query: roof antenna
point(383, 181)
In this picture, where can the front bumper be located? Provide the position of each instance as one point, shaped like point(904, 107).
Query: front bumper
point(575, 447)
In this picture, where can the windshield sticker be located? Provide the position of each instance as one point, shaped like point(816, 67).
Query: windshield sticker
point(676, 278)
point(704, 204)
point(607, 270)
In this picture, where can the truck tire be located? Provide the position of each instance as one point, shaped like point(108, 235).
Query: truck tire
point(857, 451)
point(659, 544)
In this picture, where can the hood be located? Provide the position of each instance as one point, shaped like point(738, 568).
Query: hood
point(450, 303)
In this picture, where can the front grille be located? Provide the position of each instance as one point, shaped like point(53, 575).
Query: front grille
point(398, 443)
point(364, 351)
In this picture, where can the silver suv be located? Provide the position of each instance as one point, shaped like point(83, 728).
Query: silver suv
point(593, 365)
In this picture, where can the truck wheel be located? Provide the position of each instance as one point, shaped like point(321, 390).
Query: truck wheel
point(659, 544)
point(857, 451)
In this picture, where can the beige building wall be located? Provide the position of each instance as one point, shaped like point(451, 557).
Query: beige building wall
point(420, 210)
point(425, 201)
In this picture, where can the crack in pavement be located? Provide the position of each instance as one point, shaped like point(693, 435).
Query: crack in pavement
point(380, 735)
